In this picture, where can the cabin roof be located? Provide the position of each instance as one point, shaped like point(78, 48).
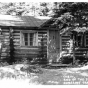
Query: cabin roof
point(49, 23)
point(23, 21)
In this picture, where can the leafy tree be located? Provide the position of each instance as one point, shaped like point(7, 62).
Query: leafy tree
point(44, 8)
point(72, 14)
point(24, 8)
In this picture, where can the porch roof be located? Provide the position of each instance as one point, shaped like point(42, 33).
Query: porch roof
point(23, 21)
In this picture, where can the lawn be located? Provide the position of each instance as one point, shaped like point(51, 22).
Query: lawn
point(23, 75)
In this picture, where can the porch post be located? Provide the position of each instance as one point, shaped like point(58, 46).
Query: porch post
point(73, 49)
point(11, 47)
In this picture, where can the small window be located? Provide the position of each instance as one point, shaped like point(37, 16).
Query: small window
point(86, 40)
point(28, 39)
point(79, 41)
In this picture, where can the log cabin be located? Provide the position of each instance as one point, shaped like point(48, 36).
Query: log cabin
point(69, 45)
point(32, 37)
point(21, 37)
point(27, 37)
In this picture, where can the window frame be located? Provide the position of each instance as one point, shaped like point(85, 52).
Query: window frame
point(28, 31)
point(86, 40)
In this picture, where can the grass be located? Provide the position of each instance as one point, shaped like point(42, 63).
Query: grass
point(25, 75)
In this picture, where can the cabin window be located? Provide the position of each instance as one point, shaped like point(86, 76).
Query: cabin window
point(34, 38)
point(28, 39)
point(79, 41)
point(86, 39)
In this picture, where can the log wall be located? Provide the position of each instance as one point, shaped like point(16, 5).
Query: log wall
point(19, 51)
point(26, 51)
point(66, 45)
point(4, 51)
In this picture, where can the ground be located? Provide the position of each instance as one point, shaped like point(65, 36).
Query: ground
point(24, 75)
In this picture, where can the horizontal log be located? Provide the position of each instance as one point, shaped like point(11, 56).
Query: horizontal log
point(29, 47)
point(80, 51)
point(29, 53)
point(42, 36)
point(4, 55)
point(16, 34)
point(6, 44)
point(42, 32)
point(16, 43)
point(65, 49)
point(22, 56)
point(30, 50)
point(79, 55)
point(6, 40)
point(28, 56)
point(7, 52)
point(65, 46)
point(65, 42)
point(4, 51)
point(67, 36)
point(63, 39)
point(16, 37)
point(5, 30)
point(39, 38)
point(5, 33)
point(6, 37)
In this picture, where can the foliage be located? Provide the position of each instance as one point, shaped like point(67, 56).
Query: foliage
point(3, 64)
point(26, 8)
point(72, 14)
point(44, 9)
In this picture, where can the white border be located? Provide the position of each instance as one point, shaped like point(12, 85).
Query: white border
point(43, 1)
point(51, 86)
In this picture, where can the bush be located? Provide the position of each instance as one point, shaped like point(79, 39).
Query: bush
point(3, 64)
point(82, 59)
point(66, 59)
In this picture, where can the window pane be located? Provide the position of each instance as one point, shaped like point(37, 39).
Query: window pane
point(26, 38)
point(26, 43)
point(26, 35)
point(31, 43)
point(79, 40)
point(31, 35)
point(31, 39)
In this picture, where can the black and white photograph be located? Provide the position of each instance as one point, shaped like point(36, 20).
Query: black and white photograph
point(43, 43)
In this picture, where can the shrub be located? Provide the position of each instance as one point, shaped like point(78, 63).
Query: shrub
point(4, 64)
